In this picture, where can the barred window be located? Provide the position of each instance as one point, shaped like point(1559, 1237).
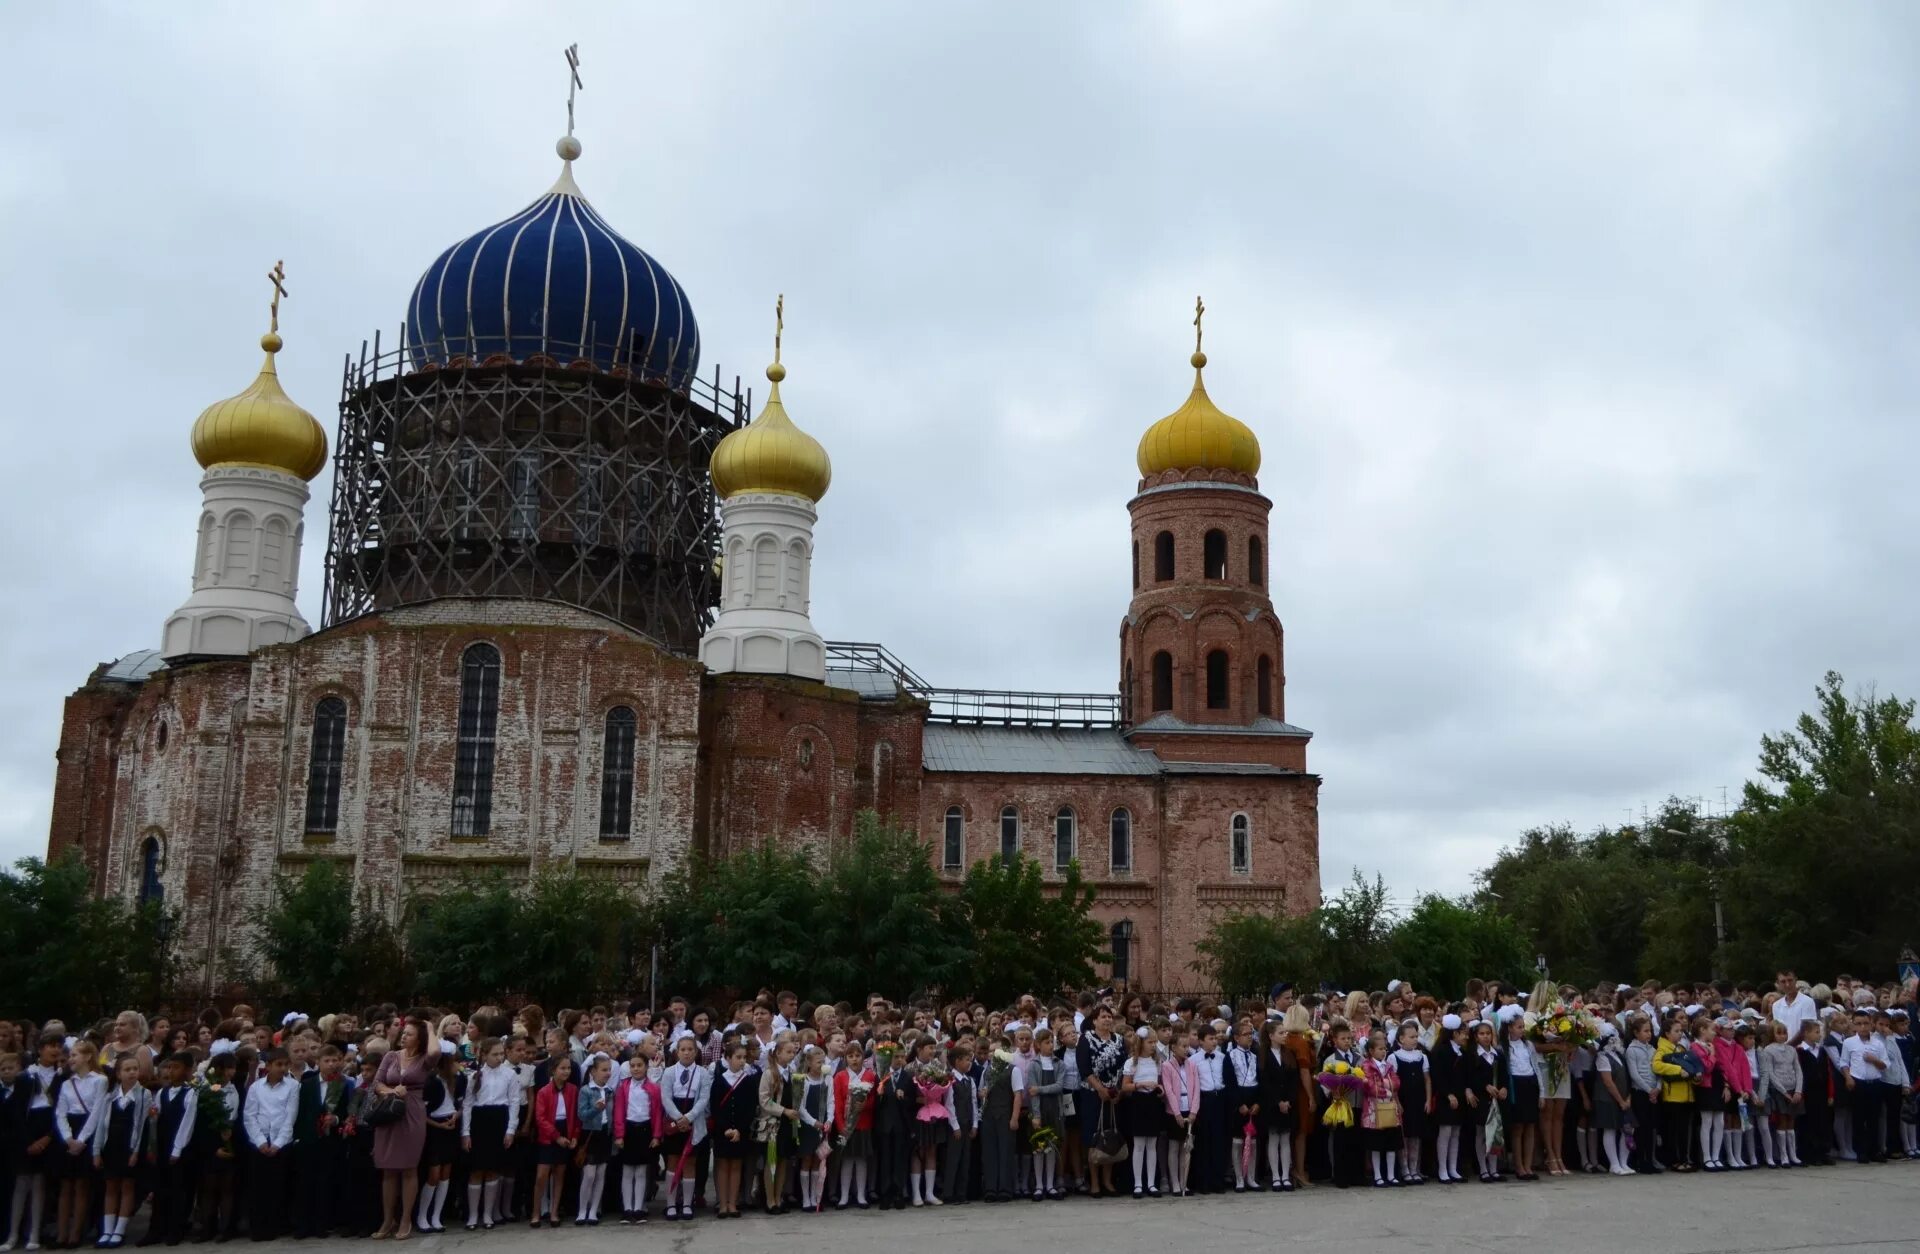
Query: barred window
point(324, 758)
point(1063, 839)
point(1120, 941)
point(1242, 840)
point(953, 841)
point(1009, 834)
point(473, 765)
point(1120, 841)
point(151, 890)
point(616, 775)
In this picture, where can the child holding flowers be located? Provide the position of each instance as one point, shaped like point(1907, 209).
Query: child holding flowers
point(931, 1124)
point(1485, 1090)
point(1380, 1110)
point(1044, 1118)
point(1341, 1080)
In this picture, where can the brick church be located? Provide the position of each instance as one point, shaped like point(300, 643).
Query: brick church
point(566, 618)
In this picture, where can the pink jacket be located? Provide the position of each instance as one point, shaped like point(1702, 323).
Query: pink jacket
point(620, 1108)
point(1178, 1078)
point(1733, 1064)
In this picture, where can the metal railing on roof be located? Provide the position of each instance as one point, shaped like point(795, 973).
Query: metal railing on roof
point(980, 706)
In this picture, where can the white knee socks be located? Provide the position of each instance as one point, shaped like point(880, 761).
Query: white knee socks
point(1480, 1148)
point(633, 1189)
point(1279, 1157)
point(1236, 1148)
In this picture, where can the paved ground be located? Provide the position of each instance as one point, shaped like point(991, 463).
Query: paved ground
point(1836, 1208)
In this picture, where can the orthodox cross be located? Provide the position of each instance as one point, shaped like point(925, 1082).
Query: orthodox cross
point(779, 324)
point(276, 276)
point(1199, 309)
point(574, 83)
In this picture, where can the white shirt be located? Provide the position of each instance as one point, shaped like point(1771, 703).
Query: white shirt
point(1145, 1071)
point(1246, 1066)
point(46, 1077)
point(1213, 1070)
point(81, 1095)
point(1520, 1058)
point(639, 1102)
point(492, 1086)
point(1794, 1013)
point(1864, 1060)
point(269, 1112)
point(189, 1108)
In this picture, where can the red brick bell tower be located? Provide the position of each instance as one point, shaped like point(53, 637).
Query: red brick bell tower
point(1200, 645)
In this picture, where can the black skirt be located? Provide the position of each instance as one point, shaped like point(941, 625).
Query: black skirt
point(39, 1124)
point(1708, 1098)
point(554, 1154)
point(638, 1149)
point(1522, 1107)
point(599, 1146)
point(442, 1145)
point(931, 1133)
point(68, 1165)
point(489, 1132)
point(1143, 1114)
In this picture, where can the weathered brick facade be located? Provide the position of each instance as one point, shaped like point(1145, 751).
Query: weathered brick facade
point(210, 761)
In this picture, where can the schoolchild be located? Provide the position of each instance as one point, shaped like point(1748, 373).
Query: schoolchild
point(267, 1113)
point(639, 1122)
point(686, 1090)
point(1243, 1114)
point(556, 1120)
point(216, 1144)
point(1143, 1111)
point(1412, 1070)
point(489, 1118)
point(1485, 1090)
point(442, 1096)
point(1447, 1064)
point(117, 1135)
point(170, 1153)
point(734, 1095)
point(963, 1121)
point(78, 1097)
point(596, 1138)
point(816, 1129)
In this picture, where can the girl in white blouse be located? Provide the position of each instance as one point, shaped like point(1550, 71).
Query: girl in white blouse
point(1146, 1112)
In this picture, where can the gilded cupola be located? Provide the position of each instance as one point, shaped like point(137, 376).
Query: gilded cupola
point(770, 454)
point(1198, 436)
point(262, 426)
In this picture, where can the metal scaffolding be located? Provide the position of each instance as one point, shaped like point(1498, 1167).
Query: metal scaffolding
point(539, 475)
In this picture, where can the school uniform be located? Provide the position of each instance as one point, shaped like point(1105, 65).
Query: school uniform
point(1521, 1064)
point(1814, 1128)
point(1447, 1071)
point(267, 1112)
point(76, 1100)
point(1243, 1107)
point(1345, 1153)
point(320, 1151)
point(490, 1114)
point(1412, 1070)
point(1209, 1173)
point(816, 1118)
point(117, 1132)
point(34, 1088)
point(1865, 1062)
point(1484, 1069)
point(963, 1117)
point(216, 1143)
point(637, 1121)
point(13, 1143)
point(556, 1117)
point(896, 1102)
point(685, 1093)
point(173, 1177)
point(731, 1099)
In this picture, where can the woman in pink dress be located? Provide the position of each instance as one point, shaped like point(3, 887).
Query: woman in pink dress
point(397, 1145)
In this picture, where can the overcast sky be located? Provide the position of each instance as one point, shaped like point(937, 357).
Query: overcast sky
point(1580, 339)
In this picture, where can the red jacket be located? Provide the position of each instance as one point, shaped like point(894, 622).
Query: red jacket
point(543, 1103)
point(619, 1121)
point(842, 1079)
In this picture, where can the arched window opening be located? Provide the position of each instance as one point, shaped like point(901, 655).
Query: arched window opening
point(473, 762)
point(1120, 941)
point(1256, 562)
point(1009, 834)
point(1219, 689)
point(324, 759)
point(616, 774)
point(1213, 558)
point(1263, 684)
point(1064, 842)
point(954, 840)
point(1136, 563)
point(151, 889)
point(1120, 842)
point(1242, 842)
point(1162, 681)
point(1163, 556)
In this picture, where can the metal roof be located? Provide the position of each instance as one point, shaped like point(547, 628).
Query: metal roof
point(871, 685)
point(135, 667)
point(1261, 726)
point(1033, 751)
point(1223, 768)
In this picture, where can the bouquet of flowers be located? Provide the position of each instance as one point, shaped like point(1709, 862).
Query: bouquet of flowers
point(883, 1056)
point(1043, 1137)
point(932, 1075)
point(1343, 1082)
point(1560, 1027)
point(211, 1113)
point(999, 1066)
point(858, 1091)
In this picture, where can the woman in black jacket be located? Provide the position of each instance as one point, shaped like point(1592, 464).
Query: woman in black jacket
point(1486, 1087)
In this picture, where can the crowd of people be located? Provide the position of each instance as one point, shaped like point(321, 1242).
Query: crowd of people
point(389, 1123)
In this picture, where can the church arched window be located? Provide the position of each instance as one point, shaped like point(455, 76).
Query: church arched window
point(1219, 681)
point(1120, 941)
point(1213, 555)
point(325, 758)
point(151, 889)
point(616, 774)
point(953, 841)
point(1163, 556)
point(1162, 681)
point(473, 763)
point(1256, 562)
point(1009, 834)
point(1263, 684)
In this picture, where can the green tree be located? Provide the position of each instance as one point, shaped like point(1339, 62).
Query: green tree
point(1827, 842)
point(1443, 942)
point(887, 925)
point(576, 933)
point(1242, 953)
point(1357, 932)
point(324, 948)
point(1026, 939)
point(465, 941)
point(75, 955)
point(730, 925)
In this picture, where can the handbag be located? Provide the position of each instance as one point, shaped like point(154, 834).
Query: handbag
point(1386, 1114)
point(1108, 1145)
point(1689, 1063)
point(383, 1109)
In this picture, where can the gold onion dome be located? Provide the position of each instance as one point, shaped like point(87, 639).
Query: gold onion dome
point(770, 454)
point(261, 426)
point(1197, 436)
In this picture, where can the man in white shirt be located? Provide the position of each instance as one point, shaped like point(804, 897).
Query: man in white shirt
point(1793, 1008)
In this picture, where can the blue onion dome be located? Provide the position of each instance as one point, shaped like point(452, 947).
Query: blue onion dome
point(555, 281)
